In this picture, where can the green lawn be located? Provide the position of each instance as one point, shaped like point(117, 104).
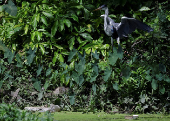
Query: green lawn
point(79, 116)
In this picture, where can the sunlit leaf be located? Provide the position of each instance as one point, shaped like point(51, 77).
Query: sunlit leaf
point(144, 8)
point(54, 28)
point(34, 21)
point(42, 49)
point(67, 22)
point(60, 57)
point(71, 43)
point(49, 15)
point(61, 25)
point(86, 36)
point(26, 28)
point(44, 20)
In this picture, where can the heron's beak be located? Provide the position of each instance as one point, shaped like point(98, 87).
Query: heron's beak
point(98, 9)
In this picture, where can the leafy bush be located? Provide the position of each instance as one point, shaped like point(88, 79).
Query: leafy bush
point(11, 113)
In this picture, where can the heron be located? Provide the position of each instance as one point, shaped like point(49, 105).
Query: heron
point(122, 29)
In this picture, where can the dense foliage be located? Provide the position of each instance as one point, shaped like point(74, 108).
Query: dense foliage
point(51, 43)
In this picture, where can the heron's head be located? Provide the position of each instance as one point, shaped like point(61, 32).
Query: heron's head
point(103, 7)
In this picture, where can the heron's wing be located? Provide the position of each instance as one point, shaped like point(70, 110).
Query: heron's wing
point(128, 25)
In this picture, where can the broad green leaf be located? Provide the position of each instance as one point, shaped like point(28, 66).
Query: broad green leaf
point(44, 20)
point(31, 55)
point(71, 43)
point(19, 62)
point(49, 15)
point(37, 85)
point(38, 34)
point(107, 74)
point(159, 76)
point(94, 89)
point(74, 17)
point(148, 77)
point(72, 54)
point(95, 69)
point(40, 95)
point(93, 78)
point(120, 52)
point(144, 8)
point(162, 68)
point(86, 36)
point(11, 56)
point(167, 79)
point(39, 70)
point(46, 85)
point(154, 84)
point(113, 74)
point(54, 28)
point(115, 86)
point(95, 55)
point(48, 72)
point(33, 36)
point(67, 22)
point(3, 47)
point(113, 58)
point(126, 72)
point(10, 8)
point(42, 49)
point(162, 89)
point(72, 99)
point(81, 80)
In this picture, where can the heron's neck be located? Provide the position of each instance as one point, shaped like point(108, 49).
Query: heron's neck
point(105, 17)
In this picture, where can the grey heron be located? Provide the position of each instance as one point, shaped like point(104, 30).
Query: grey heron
point(122, 29)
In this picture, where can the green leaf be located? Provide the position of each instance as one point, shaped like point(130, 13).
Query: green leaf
point(93, 78)
point(167, 79)
point(126, 72)
point(113, 74)
point(39, 70)
point(55, 57)
point(26, 28)
point(67, 22)
point(107, 74)
point(42, 49)
point(40, 95)
point(115, 86)
point(144, 8)
point(54, 28)
point(72, 54)
point(37, 85)
point(95, 55)
point(46, 85)
point(10, 8)
point(48, 72)
point(86, 36)
point(81, 80)
point(11, 56)
point(58, 46)
point(94, 89)
point(159, 76)
point(71, 43)
point(74, 17)
point(61, 26)
point(49, 15)
point(120, 52)
point(72, 99)
point(31, 55)
point(162, 68)
point(162, 89)
point(34, 21)
point(95, 69)
point(148, 77)
point(154, 84)
point(44, 20)
point(113, 58)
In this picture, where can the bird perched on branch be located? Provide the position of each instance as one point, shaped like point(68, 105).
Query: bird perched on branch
point(122, 29)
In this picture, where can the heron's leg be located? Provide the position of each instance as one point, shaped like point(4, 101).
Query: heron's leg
point(118, 40)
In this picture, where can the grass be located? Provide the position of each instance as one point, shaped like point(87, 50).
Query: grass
point(101, 116)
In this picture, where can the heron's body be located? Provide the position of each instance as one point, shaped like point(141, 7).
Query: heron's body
point(122, 29)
